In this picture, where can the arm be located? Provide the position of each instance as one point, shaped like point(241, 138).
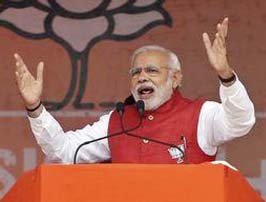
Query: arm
point(30, 88)
point(222, 122)
point(217, 53)
point(60, 146)
point(235, 116)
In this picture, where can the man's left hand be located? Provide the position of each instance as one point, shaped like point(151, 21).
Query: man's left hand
point(216, 51)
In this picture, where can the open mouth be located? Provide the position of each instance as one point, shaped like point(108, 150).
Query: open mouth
point(145, 92)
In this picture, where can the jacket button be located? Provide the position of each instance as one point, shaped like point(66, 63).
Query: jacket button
point(145, 141)
point(150, 117)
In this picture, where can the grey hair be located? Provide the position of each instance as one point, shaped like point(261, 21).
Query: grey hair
point(173, 59)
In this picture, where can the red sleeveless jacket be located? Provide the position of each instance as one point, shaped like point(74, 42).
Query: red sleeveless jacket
point(175, 122)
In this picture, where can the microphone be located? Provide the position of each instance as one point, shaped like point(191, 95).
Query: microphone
point(140, 107)
point(120, 108)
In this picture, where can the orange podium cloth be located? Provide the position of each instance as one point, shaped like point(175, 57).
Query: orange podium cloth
point(132, 183)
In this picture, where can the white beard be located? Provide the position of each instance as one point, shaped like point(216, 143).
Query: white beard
point(160, 95)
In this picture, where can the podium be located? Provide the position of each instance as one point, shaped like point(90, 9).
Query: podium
point(132, 182)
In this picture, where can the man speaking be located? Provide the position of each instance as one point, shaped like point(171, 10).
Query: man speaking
point(171, 129)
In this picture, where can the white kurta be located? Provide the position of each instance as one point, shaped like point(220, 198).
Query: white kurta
point(218, 123)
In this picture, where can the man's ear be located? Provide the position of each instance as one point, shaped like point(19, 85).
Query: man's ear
point(177, 77)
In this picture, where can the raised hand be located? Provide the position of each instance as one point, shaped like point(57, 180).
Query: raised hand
point(29, 87)
point(216, 51)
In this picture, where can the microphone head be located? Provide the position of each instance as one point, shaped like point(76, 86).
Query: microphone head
point(120, 107)
point(140, 107)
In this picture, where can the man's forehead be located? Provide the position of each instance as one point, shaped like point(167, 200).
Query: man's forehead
point(151, 56)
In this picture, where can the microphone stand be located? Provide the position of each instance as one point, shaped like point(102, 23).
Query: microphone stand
point(108, 136)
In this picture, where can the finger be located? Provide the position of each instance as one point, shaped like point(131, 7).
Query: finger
point(19, 68)
point(225, 26)
point(18, 80)
point(220, 40)
point(20, 65)
point(17, 76)
point(215, 46)
point(18, 58)
point(220, 29)
point(207, 42)
point(40, 72)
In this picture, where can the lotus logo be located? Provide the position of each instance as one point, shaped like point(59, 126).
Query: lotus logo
point(78, 26)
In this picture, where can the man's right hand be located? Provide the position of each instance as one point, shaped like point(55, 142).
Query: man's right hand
point(30, 88)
